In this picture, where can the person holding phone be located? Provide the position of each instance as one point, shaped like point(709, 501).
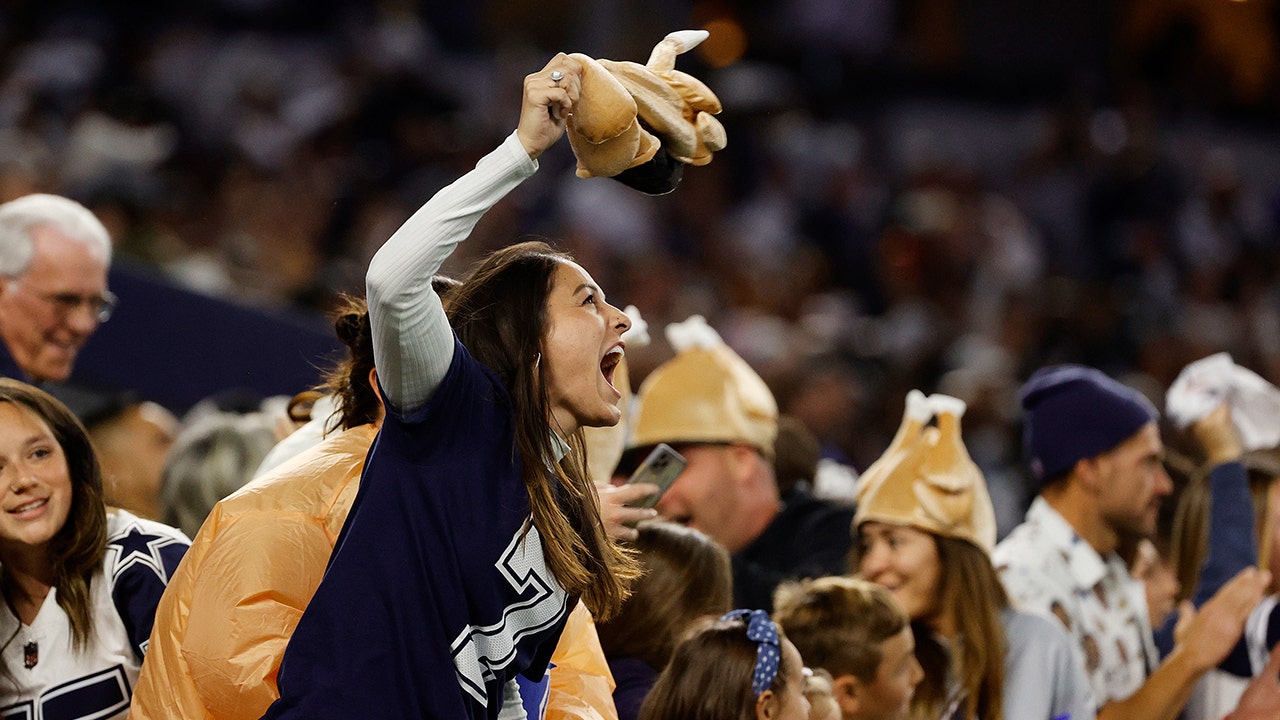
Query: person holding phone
point(715, 411)
point(475, 528)
point(624, 501)
point(658, 470)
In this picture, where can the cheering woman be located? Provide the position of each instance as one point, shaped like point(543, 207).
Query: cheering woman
point(475, 528)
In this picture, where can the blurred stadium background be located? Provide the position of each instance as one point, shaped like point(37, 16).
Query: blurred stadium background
point(942, 194)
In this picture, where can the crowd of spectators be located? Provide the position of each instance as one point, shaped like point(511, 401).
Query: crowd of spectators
point(866, 231)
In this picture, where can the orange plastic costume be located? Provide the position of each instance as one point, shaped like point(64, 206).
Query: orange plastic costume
point(222, 625)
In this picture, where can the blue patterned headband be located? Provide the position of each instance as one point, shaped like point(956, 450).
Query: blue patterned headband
point(768, 650)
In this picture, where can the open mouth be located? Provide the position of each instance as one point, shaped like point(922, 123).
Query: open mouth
point(610, 363)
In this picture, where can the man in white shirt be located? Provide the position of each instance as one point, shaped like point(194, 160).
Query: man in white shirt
point(1094, 445)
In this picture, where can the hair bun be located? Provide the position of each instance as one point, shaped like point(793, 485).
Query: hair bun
point(351, 327)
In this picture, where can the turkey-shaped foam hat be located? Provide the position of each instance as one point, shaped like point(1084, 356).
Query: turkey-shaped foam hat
point(705, 394)
point(926, 479)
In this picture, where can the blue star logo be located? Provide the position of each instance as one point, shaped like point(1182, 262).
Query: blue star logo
point(134, 546)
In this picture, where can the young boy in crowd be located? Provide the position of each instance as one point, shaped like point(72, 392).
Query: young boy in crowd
point(854, 630)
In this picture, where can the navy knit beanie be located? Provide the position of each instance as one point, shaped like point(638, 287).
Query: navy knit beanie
point(1075, 412)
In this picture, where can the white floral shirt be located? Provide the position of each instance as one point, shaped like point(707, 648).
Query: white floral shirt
point(1046, 567)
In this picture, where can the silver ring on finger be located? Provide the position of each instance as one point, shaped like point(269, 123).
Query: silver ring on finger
point(556, 77)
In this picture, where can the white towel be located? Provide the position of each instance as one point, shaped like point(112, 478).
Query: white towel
point(1207, 383)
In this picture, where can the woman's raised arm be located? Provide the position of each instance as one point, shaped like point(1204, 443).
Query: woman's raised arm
point(412, 340)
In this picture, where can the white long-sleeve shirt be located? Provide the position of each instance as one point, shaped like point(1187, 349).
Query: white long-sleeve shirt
point(412, 340)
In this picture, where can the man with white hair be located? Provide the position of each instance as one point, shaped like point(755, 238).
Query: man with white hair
point(54, 255)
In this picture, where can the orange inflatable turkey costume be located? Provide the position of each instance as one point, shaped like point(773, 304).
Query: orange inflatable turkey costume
point(223, 623)
point(221, 629)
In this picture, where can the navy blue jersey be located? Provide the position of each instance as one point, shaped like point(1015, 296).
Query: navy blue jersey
point(437, 592)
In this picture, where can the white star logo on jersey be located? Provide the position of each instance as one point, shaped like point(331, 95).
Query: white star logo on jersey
point(134, 546)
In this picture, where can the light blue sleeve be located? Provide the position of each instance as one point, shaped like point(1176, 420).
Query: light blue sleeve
point(1043, 678)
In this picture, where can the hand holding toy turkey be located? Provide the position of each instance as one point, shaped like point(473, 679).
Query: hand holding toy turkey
point(640, 123)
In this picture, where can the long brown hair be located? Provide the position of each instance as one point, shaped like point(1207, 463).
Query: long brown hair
point(77, 549)
point(709, 676)
point(499, 314)
point(687, 575)
point(973, 598)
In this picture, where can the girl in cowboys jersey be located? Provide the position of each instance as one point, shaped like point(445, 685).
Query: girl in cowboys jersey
point(80, 582)
point(475, 528)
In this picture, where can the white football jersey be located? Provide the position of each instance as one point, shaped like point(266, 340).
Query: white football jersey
point(57, 682)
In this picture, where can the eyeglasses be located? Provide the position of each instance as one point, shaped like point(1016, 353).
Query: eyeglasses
point(100, 306)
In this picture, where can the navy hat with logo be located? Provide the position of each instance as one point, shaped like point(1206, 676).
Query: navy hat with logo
point(1075, 412)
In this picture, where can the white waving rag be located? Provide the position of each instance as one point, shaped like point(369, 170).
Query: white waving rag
point(1207, 383)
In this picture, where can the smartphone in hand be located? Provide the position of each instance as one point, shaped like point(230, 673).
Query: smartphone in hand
point(661, 467)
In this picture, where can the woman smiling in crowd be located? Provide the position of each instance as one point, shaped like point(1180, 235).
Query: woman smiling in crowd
point(80, 583)
point(925, 529)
